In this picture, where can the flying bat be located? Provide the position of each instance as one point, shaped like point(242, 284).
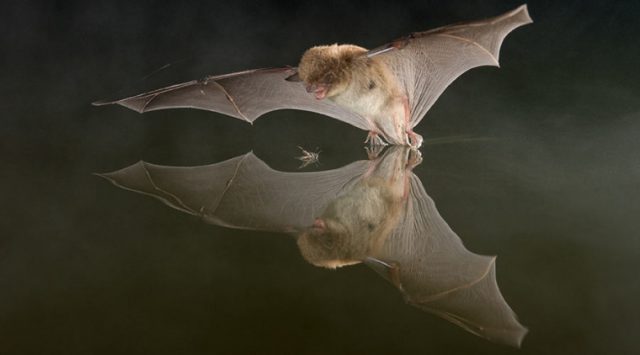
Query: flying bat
point(385, 91)
point(375, 212)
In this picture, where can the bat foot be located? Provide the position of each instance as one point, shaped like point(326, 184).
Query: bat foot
point(374, 139)
point(414, 139)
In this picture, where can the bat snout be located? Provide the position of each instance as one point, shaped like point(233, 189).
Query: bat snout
point(319, 224)
point(319, 90)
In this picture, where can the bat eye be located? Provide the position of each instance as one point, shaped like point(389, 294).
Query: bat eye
point(328, 79)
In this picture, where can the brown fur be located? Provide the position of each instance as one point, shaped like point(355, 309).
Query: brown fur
point(338, 66)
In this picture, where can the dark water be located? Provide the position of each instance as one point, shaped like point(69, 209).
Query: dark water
point(549, 183)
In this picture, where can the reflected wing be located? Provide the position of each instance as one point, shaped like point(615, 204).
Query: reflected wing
point(427, 261)
point(245, 95)
point(242, 192)
point(426, 63)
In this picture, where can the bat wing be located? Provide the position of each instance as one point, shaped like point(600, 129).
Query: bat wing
point(245, 95)
point(428, 263)
point(242, 192)
point(425, 63)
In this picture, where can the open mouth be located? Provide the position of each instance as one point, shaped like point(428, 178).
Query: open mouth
point(318, 90)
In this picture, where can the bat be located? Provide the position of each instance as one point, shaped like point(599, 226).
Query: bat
point(385, 91)
point(375, 212)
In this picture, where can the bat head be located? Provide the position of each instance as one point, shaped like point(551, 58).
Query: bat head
point(326, 70)
point(326, 244)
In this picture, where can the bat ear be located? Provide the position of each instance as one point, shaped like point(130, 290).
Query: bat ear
point(293, 77)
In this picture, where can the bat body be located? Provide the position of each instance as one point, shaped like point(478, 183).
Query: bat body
point(386, 90)
point(365, 85)
point(374, 212)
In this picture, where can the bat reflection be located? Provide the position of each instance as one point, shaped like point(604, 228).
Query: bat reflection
point(375, 212)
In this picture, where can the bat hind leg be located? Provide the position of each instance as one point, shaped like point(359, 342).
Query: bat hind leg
point(412, 138)
point(374, 139)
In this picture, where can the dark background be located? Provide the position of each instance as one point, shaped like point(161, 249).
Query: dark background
point(552, 188)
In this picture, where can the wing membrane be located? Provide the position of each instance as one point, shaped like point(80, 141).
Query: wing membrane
point(244, 95)
point(426, 63)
